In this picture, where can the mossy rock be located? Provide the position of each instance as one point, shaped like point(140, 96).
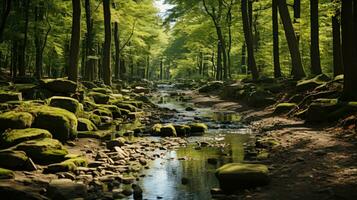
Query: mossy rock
point(16, 136)
point(235, 176)
point(10, 96)
point(103, 112)
point(320, 109)
point(89, 84)
point(89, 105)
point(124, 112)
point(311, 84)
point(15, 120)
point(95, 134)
point(86, 125)
point(102, 90)
point(69, 165)
point(211, 87)
point(284, 108)
point(6, 174)
point(95, 119)
point(198, 129)
point(156, 129)
point(260, 99)
point(60, 122)
point(182, 130)
point(44, 151)
point(116, 112)
point(137, 104)
point(168, 131)
point(126, 106)
point(60, 85)
point(16, 160)
point(67, 103)
point(99, 98)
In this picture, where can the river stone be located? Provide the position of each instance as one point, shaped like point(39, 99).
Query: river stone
point(116, 112)
point(99, 98)
point(89, 84)
point(86, 125)
point(15, 120)
point(284, 108)
point(6, 174)
point(67, 103)
point(211, 87)
point(102, 90)
point(69, 165)
point(114, 143)
point(16, 160)
point(103, 112)
point(61, 189)
point(260, 99)
point(60, 85)
point(16, 136)
point(124, 105)
point(10, 96)
point(60, 122)
point(182, 130)
point(234, 176)
point(44, 151)
point(168, 131)
point(198, 129)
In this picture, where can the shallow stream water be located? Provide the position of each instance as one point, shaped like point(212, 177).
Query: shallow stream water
point(185, 173)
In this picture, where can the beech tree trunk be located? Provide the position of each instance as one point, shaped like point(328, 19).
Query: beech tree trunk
point(75, 40)
point(249, 40)
point(107, 75)
point(277, 70)
point(90, 50)
point(22, 56)
point(117, 51)
point(297, 69)
point(315, 47)
point(6, 7)
point(337, 51)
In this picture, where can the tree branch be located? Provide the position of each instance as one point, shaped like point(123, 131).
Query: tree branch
point(130, 36)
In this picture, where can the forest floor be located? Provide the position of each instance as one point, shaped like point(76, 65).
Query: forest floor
point(311, 161)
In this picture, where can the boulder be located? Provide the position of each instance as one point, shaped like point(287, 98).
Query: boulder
point(156, 129)
point(6, 174)
point(137, 104)
point(60, 85)
point(99, 98)
point(16, 160)
point(182, 130)
point(60, 189)
point(311, 84)
point(67, 103)
point(211, 87)
point(260, 99)
point(198, 129)
point(86, 125)
point(44, 151)
point(118, 142)
point(15, 120)
point(235, 176)
point(320, 109)
point(95, 119)
point(89, 84)
point(95, 134)
point(102, 90)
point(168, 131)
point(16, 136)
point(116, 112)
point(10, 96)
point(103, 112)
point(61, 123)
point(124, 105)
point(284, 108)
point(69, 165)
point(140, 89)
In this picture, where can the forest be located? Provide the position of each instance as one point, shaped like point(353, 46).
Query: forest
point(178, 99)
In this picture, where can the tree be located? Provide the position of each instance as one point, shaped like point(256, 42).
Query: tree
point(315, 47)
point(249, 40)
point(107, 75)
point(90, 50)
point(297, 69)
point(277, 70)
point(75, 40)
point(337, 52)
point(6, 7)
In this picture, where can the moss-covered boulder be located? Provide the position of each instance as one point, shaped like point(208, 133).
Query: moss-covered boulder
point(156, 129)
point(10, 96)
point(99, 98)
point(198, 129)
point(95, 119)
point(95, 134)
point(60, 85)
point(6, 174)
point(260, 99)
point(320, 110)
point(211, 87)
point(67, 103)
point(15, 160)
point(86, 125)
point(16, 136)
point(127, 106)
point(311, 84)
point(182, 130)
point(89, 84)
point(103, 112)
point(67, 165)
point(60, 122)
point(15, 120)
point(44, 151)
point(235, 176)
point(102, 90)
point(116, 112)
point(89, 105)
point(168, 131)
point(284, 108)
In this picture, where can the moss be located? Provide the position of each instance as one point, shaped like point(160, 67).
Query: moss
point(60, 85)
point(13, 159)
point(15, 120)
point(95, 134)
point(197, 129)
point(10, 96)
point(99, 97)
point(182, 130)
point(89, 105)
point(6, 174)
point(138, 104)
point(103, 112)
point(124, 112)
point(284, 107)
point(67, 103)
point(311, 83)
point(116, 112)
point(89, 85)
point(44, 151)
point(85, 125)
point(14, 137)
point(60, 122)
point(156, 129)
point(126, 106)
point(168, 131)
point(102, 90)
point(95, 119)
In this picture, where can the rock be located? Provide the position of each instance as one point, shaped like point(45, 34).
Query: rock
point(260, 99)
point(311, 84)
point(99, 98)
point(320, 110)
point(211, 87)
point(44, 151)
point(118, 142)
point(212, 161)
point(236, 176)
point(69, 165)
point(15, 120)
point(17, 191)
point(6, 174)
point(127, 191)
point(16, 136)
point(16, 160)
point(164, 131)
point(102, 90)
point(67, 103)
point(116, 112)
point(137, 104)
point(125, 106)
point(284, 108)
point(139, 89)
point(198, 129)
point(138, 192)
point(86, 125)
point(103, 112)
point(61, 189)
point(142, 161)
point(61, 123)
point(89, 84)
point(182, 130)
point(189, 109)
point(184, 181)
point(10, 96)
point(60, 85)
point(94, 118)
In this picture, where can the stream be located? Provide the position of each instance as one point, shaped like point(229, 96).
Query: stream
point(185, 173)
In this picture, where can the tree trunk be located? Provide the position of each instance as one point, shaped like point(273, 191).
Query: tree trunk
point(277, 70)
point(38, 42)
point(90, 50)
point(297, 69)
point(349, 50)
point(249, 40)
point(22, 62)
point(229, 60)
point(219, 61)
point(117, 50)
point(161, 69)
point(75, 40)
point(107, 77)
point(6, 11)
point(337, 52)
point(297, 16)
point(315, 47)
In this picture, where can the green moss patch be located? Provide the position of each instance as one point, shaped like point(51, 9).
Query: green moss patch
point(99, 97)
point(16, 136)
point(197, 129)
point(6, 174)
point(15, 160)
point(15, 120)
point(67, 103)
point(85, 125)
